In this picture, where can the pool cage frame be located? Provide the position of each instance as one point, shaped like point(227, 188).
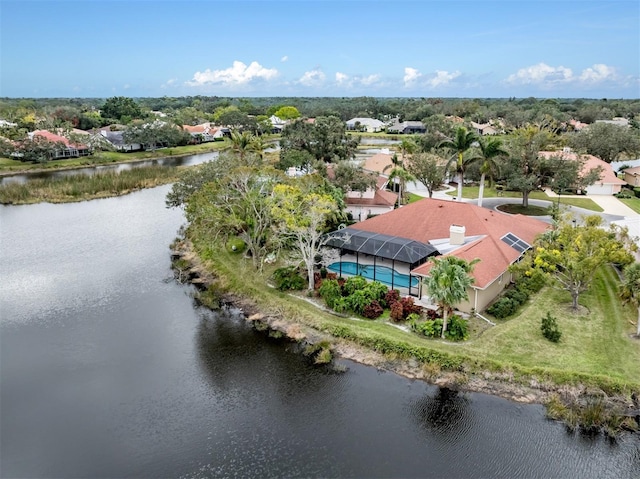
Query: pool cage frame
point(378, 245)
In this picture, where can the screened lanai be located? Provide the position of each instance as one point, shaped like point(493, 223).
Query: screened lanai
point(380, 250)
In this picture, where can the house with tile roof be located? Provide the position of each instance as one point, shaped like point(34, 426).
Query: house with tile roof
point(373, 202)
point(607, 184)
point(404, 239)
point(632, 176)
point(204, 133)
point(67, 149)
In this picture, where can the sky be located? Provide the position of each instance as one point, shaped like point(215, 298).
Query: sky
point(378, 48)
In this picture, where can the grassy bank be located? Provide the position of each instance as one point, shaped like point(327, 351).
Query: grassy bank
point(596, 351)
point(100, 185)
point(633, 203)
point(11, 166)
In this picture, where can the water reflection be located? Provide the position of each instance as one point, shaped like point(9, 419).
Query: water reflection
point(445, 412)
point(190, 160)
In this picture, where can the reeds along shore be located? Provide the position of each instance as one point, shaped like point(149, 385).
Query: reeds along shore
point(81, 187)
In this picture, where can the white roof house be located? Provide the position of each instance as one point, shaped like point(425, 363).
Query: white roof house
point(370, 125)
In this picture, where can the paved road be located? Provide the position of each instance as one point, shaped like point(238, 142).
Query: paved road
point(613, 208)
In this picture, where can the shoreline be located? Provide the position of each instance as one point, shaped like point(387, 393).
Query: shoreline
point(497, 383)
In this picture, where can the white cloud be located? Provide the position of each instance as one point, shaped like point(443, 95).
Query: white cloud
point(312, 78)
point(341, 78)
point(597, 73)
point(238, 74)
point(369, 80)
point(544, 75)
point(284, 59)
point(411, 75)
point(540, 74)
point(442, 78)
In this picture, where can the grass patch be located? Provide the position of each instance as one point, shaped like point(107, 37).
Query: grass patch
point(595, 349)
point(80, 188)
point(633, 203)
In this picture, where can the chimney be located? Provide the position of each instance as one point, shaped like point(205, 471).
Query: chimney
point(456, 234)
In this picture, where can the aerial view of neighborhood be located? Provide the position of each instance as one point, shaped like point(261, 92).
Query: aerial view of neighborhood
point(313, 239)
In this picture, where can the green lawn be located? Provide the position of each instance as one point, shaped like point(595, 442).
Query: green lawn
point(472, 192)
point(595, 342)
point(633, 203)
point(595, 347)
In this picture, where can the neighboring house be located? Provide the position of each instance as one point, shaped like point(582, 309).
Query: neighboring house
point(632, 176)
point(277, 124)
point(407, 127)
point(115, 138)
point(577, 125)
point(204, 132)
point(373, 202)
point(484, 129)
point(370, 125)
point(405, 238)
point(67, 150)
point(379, 163)
point(608, 184)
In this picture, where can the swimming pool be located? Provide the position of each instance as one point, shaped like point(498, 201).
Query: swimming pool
point(383, 274)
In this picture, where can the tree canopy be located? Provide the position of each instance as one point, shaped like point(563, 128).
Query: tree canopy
point(121, 108)
point(571, 254)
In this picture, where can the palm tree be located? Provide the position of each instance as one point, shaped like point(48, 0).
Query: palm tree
point(447, 283)
point(490, 151)
point(460, 143)
point(399, 173)
point(630, 288)
point(242, 143)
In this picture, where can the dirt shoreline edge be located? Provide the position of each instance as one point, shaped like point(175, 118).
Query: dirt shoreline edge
point(486, 382)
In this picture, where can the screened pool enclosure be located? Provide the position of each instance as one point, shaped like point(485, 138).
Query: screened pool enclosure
point(378, 249)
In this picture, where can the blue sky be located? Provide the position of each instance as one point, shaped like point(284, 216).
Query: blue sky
point(420, 48)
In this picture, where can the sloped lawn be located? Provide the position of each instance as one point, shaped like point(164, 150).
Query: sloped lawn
point(594, 341)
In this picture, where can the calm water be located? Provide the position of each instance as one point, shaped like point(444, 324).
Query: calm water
point(108, 370)
point(190, 160)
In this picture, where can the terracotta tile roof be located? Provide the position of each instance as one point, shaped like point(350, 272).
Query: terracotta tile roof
point(380, 198)
point(56, 138)
point(430, 219)
point(378, 162)
point(608, 177)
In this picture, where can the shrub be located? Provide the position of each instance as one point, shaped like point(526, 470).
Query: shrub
point(432, 314)
point(235, 245)
point(532, 282)
point(397, 312)
point(288, 278)
point(376, 290)
point(624, 194)
point(550, 328)
point(373, 310)
point(457, 328)
point(430, 329)
point(358, 300)
point(323, 272)
point(636, 191)
point(391, 297)
point(408, 307)
point(353, 284)
point(330, 291)
point(517, 296)
point(502, 308)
